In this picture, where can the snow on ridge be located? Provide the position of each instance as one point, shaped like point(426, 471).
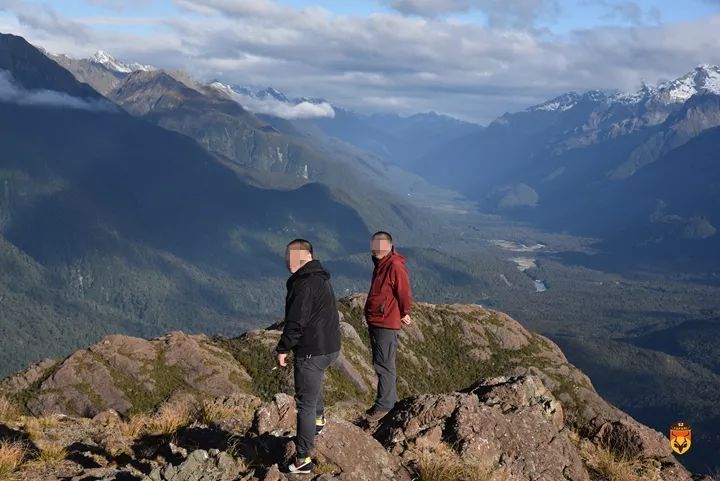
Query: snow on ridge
point(108, 61)
point(560, 103)
point(704, 78)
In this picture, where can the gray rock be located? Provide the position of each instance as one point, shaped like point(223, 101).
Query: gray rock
point(200, 465)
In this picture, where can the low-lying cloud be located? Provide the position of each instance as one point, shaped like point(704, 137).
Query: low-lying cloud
point(11, 92)
point(284, 110)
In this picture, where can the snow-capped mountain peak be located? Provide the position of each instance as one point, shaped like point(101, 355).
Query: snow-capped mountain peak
point(704, 78)
point(597, 96)
point(273, 102)
point(560, 103)
point(632, 98)
point(108, 61)
point(225, 88)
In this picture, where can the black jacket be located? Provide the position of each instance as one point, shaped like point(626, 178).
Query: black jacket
point(312, 323)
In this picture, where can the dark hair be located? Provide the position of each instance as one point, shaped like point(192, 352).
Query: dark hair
point(383, 234)
point(304, 244)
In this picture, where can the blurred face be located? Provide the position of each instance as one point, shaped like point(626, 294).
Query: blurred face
point(296, 257)
point(380, 247)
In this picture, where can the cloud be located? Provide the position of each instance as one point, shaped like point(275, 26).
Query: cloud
point(390, 61)
point(284, 110)
point(119, 4)
point(46, 19)
point(10, 92)
point(626, 11)
point(500, 13)
point(429, 8)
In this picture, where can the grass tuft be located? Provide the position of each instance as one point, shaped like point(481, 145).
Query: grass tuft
point(209, 411)
point(9, 411)
point(168, 419)
point(325, 468)
point(617, 466)
point(442, 463)
point(12, 455)
point(52, 454)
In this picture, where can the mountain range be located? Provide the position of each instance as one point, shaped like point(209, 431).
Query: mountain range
point(635, 170)
point(110, 221)
point(271, 151)
point(141, 201)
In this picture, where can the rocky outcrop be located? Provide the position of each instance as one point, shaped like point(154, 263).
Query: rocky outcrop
point(512, 425)
point(355, 455)
point(510, 428)
point(516, 427)
point(124, 373)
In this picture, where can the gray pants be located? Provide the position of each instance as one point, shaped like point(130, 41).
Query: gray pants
point(309, 373)
point(384, 344)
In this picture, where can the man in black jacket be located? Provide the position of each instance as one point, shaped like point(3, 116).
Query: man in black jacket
point(312, 333)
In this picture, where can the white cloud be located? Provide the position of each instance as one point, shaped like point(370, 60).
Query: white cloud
point(429, 7)
point(626, 11)
point(284, 110)
point(12, 93)
point(500, 13)
point(119, 4)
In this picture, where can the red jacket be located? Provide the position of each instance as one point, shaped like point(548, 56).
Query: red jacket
point(390, 296)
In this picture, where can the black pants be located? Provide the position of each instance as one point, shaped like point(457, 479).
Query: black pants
point(309, 373)
point(384, 344)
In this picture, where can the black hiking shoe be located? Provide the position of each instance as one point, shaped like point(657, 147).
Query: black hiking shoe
point(301, 466)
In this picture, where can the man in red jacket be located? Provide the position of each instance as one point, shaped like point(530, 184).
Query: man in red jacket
point(387, 309)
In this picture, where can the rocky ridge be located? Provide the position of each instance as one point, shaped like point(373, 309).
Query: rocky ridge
point(482, 395)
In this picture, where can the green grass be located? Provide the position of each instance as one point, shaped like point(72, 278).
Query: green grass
point(338, 387)
point(258, 361)
point(166, 380)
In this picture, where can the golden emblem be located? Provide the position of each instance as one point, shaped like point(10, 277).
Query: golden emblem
point(680, 437)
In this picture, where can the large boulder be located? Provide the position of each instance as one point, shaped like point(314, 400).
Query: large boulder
point(352, 452)
point(356, 454)
point(510, 425)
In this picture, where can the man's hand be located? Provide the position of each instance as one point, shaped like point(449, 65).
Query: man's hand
point(406, 320)
point(282, 359)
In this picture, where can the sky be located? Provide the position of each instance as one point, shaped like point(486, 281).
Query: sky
point(473, 59)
